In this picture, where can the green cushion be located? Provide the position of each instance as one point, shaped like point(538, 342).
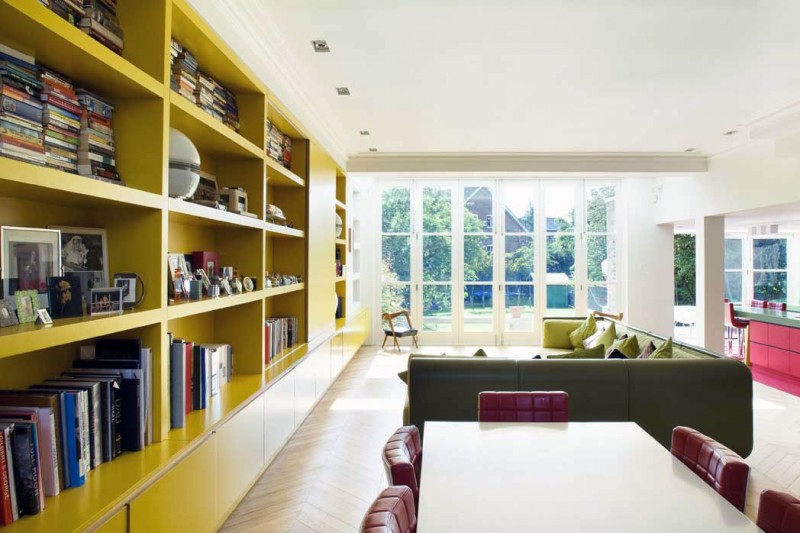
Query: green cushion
point(628, 347)
point(555, 333)
point(585, 330)
point(403, 376)
point(479, 353)
point(588, 353)
point(606, 339)
point(664, 351)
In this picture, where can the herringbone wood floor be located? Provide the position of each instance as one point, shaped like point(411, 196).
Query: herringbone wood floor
point(331, 469)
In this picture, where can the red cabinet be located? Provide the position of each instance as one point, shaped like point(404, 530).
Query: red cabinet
point(778, 336)
point(759, 354)
point(759, 332)
point(775, 347)
point(794, 339)
point(794, 364)
point(779, 359)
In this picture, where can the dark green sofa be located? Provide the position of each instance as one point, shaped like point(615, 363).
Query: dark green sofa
point(709, 393)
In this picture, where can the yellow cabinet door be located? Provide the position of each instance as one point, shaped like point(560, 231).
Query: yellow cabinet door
point(185, 499)
point(116, 524)
point(240, 454)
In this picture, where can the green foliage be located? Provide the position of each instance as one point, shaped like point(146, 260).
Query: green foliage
point(685, 278)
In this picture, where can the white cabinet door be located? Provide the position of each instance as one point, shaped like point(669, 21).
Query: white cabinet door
point(278, 415)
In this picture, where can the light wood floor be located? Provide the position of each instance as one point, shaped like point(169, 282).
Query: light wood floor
point(331, 469)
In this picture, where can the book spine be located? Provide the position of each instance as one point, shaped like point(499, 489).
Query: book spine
point(177, 394)
point(131, 421)
point(26, 471)
point(188, 399)
point(72, 435)
point(22, 110)
point(196, 373)
point(116, 420)
point(6, 512)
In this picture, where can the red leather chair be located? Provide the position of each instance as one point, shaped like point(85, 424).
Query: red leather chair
point(776, 306)
point(778, 512)
point(402, 457)
point(551, 406)
point(758, 303)
point(715, 464)
point(392, 512)
point(734, 323)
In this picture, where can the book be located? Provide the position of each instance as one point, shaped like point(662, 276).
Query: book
point(93, 412)
point(8, 496)
point(48, 444)
point(177, 384)
point(26, 466)
point(111, 410)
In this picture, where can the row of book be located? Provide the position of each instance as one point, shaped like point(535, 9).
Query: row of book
point(279, 334)
point(47, 121)
point(204, 91)
point(52, 434)
point(279, 145)
point(197, 371)
point(97, 18)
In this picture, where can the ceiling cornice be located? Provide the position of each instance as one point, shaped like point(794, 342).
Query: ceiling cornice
point(530, 162)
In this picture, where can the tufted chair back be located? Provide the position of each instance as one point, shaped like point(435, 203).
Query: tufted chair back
point(392, 512)
point(402, 457)
point(549, 406)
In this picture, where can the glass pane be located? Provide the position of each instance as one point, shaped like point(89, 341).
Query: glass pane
point(396, 215)
point(519, 308)
point(601, 256)
point(396, 252)
point(437, 308)
point(395, 296)
point(684, 245)
point(561, 296)
point(478, 214)
point(769, 254)
point(559, 201)
point(733, 254)
point(519, 258)
point(519, 210)
point(478, 314)
point(436, 258)
point(603, 298)
point(477, 258)
point(560, 258)
point(770, 286)
point(733, 286)
point(601, 209)
point(437, 210)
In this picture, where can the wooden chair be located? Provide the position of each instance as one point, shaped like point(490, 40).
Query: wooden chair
point(397, 332)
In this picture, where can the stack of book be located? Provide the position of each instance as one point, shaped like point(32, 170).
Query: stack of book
point(71, 10)
point(184, 73)
point(228, 99)
point(96, 157)
point(61, 120)
point(100, 21)
point(279, 145)
point(208, 96)
point(21, 112)
point(197, 371)
point(54, 433)
point(279, 334)
point(175, 50)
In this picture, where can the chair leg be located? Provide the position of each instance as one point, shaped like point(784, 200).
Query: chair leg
point(396, 344)
point(385, 337)
point(415, 341)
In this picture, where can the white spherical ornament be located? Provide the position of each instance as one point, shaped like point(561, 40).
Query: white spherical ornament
point(339, 226)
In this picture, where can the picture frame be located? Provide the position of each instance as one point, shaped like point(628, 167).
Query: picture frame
point(132, 288)
point(85, 250)
point(43, 317)
point(226, 286)
point(175, 264)
point(201, 274)
point(105, 301)
point(27, 305)
point(28, 256)
point(8, 317)
point(66, 297)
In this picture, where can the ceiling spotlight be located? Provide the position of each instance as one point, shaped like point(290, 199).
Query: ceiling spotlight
point(343, 91)
point(690, 150)
point(320, 46)
point(364, 132)
point(730, 132)
point(373, 149)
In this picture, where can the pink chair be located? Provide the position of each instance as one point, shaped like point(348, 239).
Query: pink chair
point(778, 512)
point(393, 511)
point(758, 303)
point(402, 457)
point(715, 464)
point(552, 406)
point(734, 323)
point(776, 306)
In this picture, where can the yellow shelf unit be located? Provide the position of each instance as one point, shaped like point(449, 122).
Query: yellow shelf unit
point(280, 176)
point(276, 230)
point(184, 308)
point(269, 292)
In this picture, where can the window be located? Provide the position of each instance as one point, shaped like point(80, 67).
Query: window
point(396, 249)
point(601, 248)
point(559, 207)
point(769, 269)
point(733, 270)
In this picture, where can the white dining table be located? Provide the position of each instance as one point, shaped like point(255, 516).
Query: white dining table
point(552, 477)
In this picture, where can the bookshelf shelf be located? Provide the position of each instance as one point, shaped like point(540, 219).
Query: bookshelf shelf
point(340, 279)
point(24, 338)
point(277, 230)
point(269, 292)
point(184, 308)
point(341, 242)
point(26, 181)
point(340, 206)
point(34, 29)
point(209, 135)
point(341, 323)
point(283, 361)
point(280, 176)
point(188, 213)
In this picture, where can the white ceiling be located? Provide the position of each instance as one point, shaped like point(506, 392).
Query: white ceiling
point(523, 75)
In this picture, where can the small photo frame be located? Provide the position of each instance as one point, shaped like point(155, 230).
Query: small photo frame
point(43, 317)
point(27, 305)
point(7, 315)
point(65, 297)
point(105, 301)
point(202, 276)
point(132, 289)
point(28, 257)
point(226, 286)
point(248, 284)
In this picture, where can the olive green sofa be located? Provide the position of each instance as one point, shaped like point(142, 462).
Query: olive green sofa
point(709, 393)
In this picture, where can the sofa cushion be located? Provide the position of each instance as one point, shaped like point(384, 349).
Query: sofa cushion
point(663, 351)
point(628, 346)
point(582, 332)
point(647, 351)
point(555, 333)
point(589, 353)
point(593, 386)
point(606, 338)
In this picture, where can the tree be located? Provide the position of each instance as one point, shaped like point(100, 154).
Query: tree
point(685, 278)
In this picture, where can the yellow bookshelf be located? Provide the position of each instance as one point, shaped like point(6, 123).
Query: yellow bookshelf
point(280, 176)
point(181, 211)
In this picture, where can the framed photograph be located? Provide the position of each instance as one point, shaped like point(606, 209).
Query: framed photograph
point(65, 297)
point(132, 289)
point(28, 257)
point(43, 317)
point(105, 301)
point(202, 276)
point(226, 286)
point(85, 250)
point(175, 263)
point(8, 317)
point(27, 305)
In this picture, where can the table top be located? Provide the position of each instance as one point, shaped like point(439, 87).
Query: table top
point(773, 316)
point(578, 476)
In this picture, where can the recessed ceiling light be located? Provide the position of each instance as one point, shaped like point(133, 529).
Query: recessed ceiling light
point(320, 46)
point(343, 91)
point(690, 150)
point(373, 149)
point(364, 132)
point(730, 132)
